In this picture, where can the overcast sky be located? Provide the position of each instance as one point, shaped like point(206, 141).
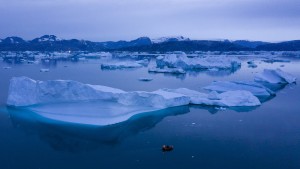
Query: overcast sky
point(102, 20)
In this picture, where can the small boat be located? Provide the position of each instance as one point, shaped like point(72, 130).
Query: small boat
point(167, 148)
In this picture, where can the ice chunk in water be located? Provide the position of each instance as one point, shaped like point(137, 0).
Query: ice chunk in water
point(275, 76)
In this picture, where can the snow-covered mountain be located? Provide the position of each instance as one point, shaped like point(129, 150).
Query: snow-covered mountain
point(142, 41)
point(178, 43)
point(169, 39)
point(47, 38)
point(12, 40)
point(249, 44)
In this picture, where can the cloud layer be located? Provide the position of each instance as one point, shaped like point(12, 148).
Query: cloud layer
point(271, 20)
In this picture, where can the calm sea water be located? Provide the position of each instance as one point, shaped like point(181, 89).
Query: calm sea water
point(266, 137)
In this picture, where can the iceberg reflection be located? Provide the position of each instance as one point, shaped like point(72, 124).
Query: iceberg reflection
point(76, 137)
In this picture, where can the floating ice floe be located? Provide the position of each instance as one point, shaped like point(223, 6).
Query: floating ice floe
point(275, 76)
point(44, 70)
point(82, 59)
point(24, 91)
point(208, 62)
point(124, 64)
point(120, 65)
point(253, 87)
point(166, 70)
point(104, 55)
point(143, 62)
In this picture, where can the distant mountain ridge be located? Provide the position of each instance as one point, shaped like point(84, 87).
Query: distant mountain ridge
point(169, 39)
point(249, 44)
point(177, 43)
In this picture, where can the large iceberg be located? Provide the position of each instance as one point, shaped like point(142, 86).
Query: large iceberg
point(253, 87)
point(186, 63)
point(24, 91)
point(275, 76)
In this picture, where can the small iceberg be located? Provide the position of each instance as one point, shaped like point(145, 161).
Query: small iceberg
point(32, 61)
point(121, 65)
point(275, 77)
point(82, 59)
point(167, 70)
point(44, 70)
point(125, 64)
